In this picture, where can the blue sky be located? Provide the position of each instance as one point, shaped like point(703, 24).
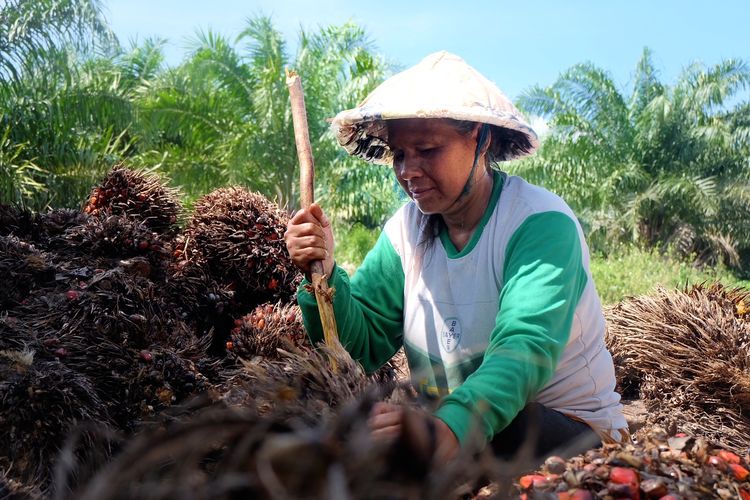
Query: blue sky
point(516, 44)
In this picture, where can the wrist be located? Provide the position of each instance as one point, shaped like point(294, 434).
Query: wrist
point(446, 442)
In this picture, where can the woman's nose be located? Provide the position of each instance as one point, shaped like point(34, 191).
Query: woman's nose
point(408, 168)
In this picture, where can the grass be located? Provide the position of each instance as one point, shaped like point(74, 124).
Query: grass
point(636, 272)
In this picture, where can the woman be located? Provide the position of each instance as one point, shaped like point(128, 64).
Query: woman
point(482, 278)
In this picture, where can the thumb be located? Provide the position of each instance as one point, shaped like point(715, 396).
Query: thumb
point(318, 213)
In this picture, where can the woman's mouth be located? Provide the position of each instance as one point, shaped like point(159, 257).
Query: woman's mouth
point(417, 193)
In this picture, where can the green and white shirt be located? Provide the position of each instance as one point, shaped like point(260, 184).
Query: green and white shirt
point(513, 317)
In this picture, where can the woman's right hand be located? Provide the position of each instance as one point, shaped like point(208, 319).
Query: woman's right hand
point(308, 238)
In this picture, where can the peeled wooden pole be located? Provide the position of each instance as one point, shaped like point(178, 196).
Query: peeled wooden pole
point(323, 294)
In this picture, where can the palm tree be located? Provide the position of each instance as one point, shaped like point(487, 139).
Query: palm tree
point(666, 166)
point(29, 29)
point(229, 108)
point(65, 119)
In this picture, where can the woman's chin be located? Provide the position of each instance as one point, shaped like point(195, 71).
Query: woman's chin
point(426, 208)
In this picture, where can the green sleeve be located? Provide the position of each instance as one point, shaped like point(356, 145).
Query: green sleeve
point(368, 308)
point(543, 279)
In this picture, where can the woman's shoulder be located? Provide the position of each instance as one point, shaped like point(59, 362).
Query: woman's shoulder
point(404, 226)
point(528, 199)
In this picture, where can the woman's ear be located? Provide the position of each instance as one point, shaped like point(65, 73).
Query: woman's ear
point(487, 142)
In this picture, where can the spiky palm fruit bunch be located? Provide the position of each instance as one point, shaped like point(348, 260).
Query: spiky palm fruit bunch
point(108, 350)
point(266, 329)
point(687, 355)
point(239, 236)
point(18, 221)
point(198, 298)
point(23, 268)
point(135, 194)
point(124, 305)
point(120, 236)
point(56, 221)
point(42, 400)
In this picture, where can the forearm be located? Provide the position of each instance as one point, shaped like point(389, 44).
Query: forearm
point(368, 308)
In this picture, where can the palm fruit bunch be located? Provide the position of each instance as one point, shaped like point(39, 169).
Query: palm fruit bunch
point(42, 400)
point(686, 354)
point(658, 466)
point(57, 220)
point(105, 332)
point(108, 350)
point(200, 300)
point(23, 268)
point(120, 236)
point(266, 329)
point(18, 221)
point(239, 236)
point(138, 195)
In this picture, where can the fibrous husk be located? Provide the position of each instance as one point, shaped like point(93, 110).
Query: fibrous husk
point(223, 453)
point(18, 221)
point(138, 195)
point(42, 400)
point(11, 489)
point(120, 236)
point(298, 379)
point(23, 268)
point(276, 332)
point(239, 236)
point(687, 355)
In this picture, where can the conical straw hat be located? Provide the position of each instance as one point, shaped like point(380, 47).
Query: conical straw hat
point(442, 85)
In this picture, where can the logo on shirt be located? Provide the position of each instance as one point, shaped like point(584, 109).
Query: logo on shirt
point(450, 337)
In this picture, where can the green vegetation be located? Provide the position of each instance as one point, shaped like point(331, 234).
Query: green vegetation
point(633, 271)
point(352, 244)
point(665, 167)
point(75, 103)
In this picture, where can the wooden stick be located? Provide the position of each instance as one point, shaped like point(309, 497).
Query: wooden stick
point(323, 294)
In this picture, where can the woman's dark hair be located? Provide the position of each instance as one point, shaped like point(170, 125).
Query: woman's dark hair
point(504, 143)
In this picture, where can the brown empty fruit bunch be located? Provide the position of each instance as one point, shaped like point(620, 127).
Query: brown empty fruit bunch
point(687, 355)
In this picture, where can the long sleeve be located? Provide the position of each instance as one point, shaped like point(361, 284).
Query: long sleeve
point(543, 279)
point(368, 308)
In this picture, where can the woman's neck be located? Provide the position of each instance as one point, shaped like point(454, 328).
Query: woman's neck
point(462, 222)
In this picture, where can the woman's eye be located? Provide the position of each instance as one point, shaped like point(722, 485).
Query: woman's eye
point(427, 151)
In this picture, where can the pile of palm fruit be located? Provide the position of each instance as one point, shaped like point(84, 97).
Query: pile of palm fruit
point(112, 315)
point(656, 466)
point(149, 353)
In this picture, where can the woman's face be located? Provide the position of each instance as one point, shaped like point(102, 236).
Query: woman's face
point(432, 160)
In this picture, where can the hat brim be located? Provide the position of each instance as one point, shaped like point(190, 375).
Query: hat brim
point(364, 134)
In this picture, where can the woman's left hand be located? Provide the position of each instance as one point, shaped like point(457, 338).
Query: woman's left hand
point(389, 422)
